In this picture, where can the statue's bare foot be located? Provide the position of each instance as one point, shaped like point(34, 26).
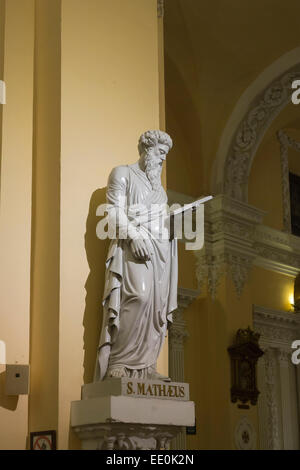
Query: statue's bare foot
point(116, 372)
point(154, 375)
point(157, 376)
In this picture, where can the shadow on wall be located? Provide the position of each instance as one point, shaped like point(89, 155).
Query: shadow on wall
point(96, 251)
point(8, 402)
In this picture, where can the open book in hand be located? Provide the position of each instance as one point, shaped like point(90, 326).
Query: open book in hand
point(191, 206)
point(175, 220)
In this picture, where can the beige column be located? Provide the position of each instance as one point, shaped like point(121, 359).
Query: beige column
point(163, 360)
point(44, 333)
point(110, 95)
point(15, 207)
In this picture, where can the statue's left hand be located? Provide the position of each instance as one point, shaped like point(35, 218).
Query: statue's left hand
point(139, 249)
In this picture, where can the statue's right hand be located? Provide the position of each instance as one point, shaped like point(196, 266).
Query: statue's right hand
point(139, 249)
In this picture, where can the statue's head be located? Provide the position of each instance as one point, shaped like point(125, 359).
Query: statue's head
point(153, 148)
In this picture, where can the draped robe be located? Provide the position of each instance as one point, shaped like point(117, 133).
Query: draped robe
point(139, 296)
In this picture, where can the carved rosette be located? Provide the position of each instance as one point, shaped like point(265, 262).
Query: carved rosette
point(245, 435)
point(251, 130)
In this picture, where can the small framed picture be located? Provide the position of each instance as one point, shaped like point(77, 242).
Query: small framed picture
point(43, 440)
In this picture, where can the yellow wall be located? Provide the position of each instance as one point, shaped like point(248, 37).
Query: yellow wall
point(15, 214)
point(43, 399)
point(271, 290)
point(2, 33)
point(110, 95)
point(212, 326)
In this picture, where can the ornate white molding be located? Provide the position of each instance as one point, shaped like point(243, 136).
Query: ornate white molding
point(186, 297)
point(121, 436)
point(283, 64)
point(250, 132)
point(284, 357)
point(236, 239)
point(160, 8)
point(178, 333)
point(277, 251)
point(277, 383)
point(286, 142)
point(230, 227)
point(213, 267)
point(284, 162)
point(177, 336)
point(108, 420)
point(272, 424)
point(277, 328)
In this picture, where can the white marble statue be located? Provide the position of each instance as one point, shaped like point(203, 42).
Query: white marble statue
point(141, 267)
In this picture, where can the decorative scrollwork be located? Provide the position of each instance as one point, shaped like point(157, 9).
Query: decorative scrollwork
point(251, 130)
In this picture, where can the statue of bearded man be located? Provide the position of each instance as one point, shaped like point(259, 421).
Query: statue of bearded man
point(141, 267)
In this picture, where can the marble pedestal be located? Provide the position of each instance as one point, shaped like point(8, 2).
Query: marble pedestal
point(128, 414)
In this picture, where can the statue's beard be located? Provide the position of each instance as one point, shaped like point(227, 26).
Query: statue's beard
point(153, 171)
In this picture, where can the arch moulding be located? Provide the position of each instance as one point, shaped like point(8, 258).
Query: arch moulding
point(256, 109)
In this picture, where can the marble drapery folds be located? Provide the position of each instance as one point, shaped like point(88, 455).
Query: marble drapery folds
point(139, 296)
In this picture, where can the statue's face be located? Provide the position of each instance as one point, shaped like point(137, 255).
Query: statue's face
point(153, 161)
point(158, 153)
